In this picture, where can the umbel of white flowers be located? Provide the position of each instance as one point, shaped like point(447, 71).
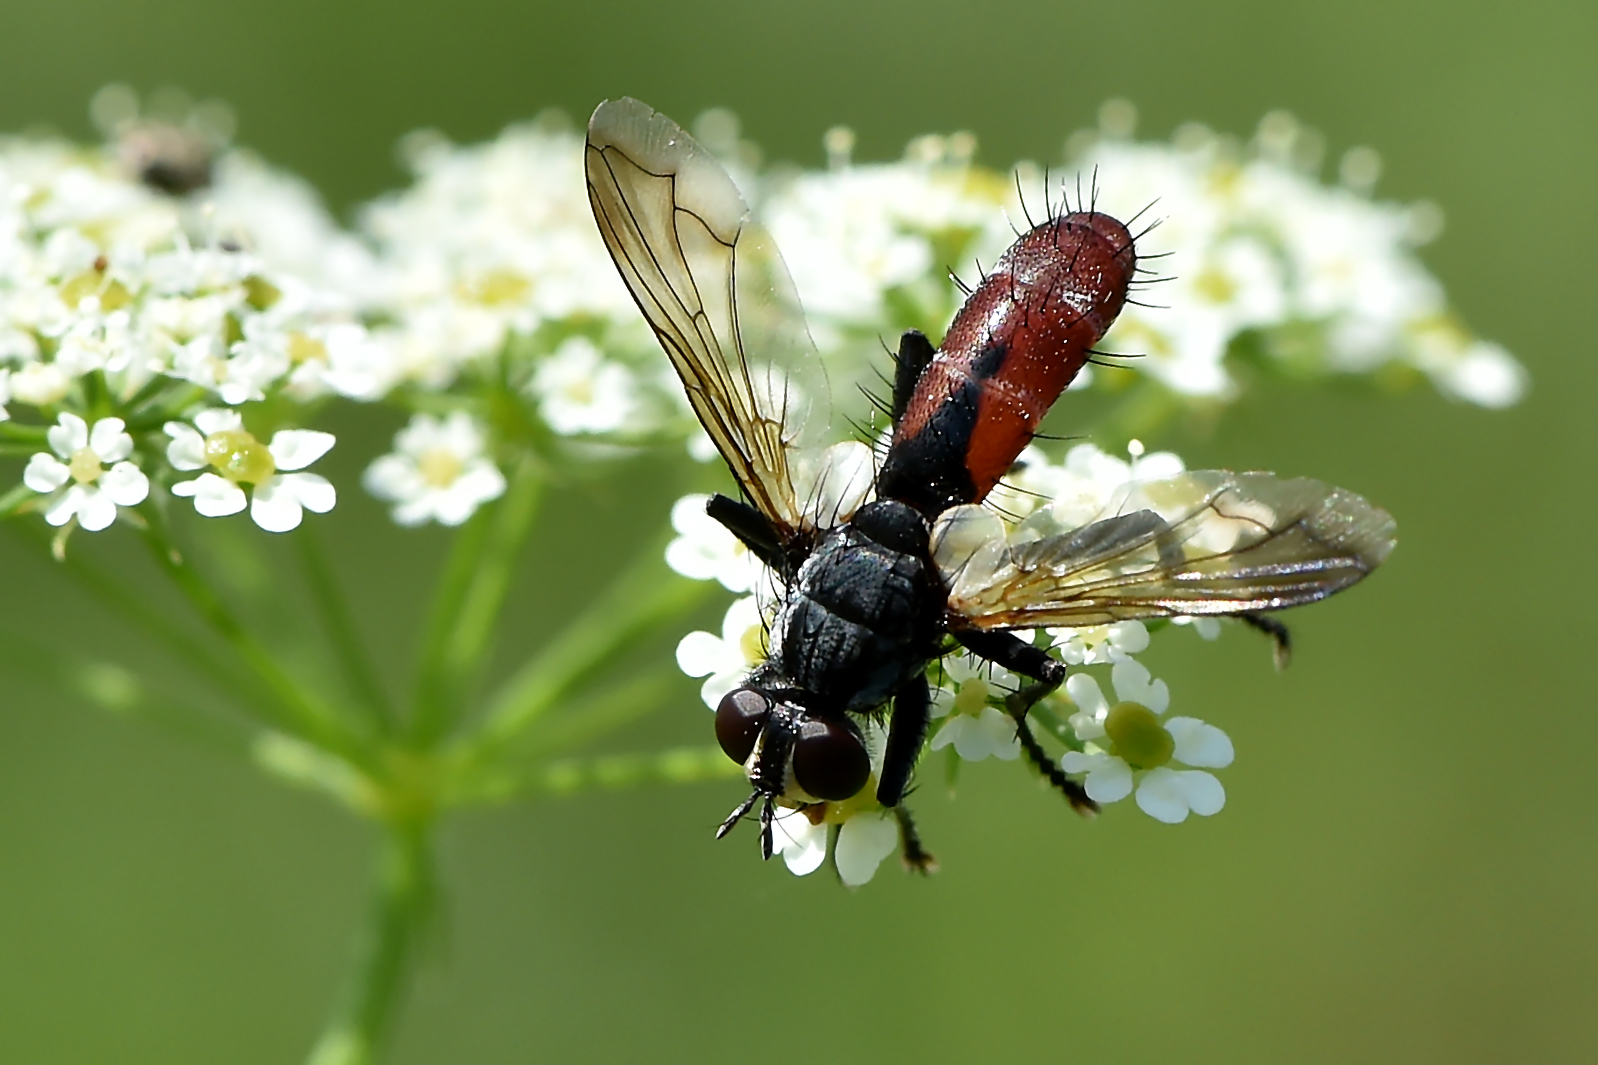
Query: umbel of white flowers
point(176, 315)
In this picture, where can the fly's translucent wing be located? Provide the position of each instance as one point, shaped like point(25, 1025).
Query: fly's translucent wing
point(717, 294)
point(1207, 542)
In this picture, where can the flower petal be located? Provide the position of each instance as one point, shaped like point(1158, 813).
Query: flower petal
point(998, 729)
point(1160, 794)
point(275, 507)
point(1086, 694)
point(295, 449)
point(1080, 761)
point(1205, 795)
point(45, 473)
point(214, 496)
point(315, 492)
point(1133, 684)
point(863, 842)
point(803, 845)
point(216, 420)
point(125, 484)
point(96, 510)
point(1200, 744)
point(66, 505)
point(187, 449)
point(1109, 781)
point(109, 441)
point(68, 434)
point(701, 653)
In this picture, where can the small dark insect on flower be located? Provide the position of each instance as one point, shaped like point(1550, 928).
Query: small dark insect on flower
point(874, 594)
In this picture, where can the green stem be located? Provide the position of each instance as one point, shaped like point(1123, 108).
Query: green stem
point(121, 692)
point(134, 607)
point(302, 714)
point(350, 650)
point(569, 776)
point(12, 501)
point(630, 608)
point(471, 594)
point(401, 900)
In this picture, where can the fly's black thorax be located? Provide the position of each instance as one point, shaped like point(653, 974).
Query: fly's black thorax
point(862, 613)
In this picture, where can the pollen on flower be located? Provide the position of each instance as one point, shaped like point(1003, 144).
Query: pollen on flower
point(1138, 735)
point(239, 456)
point(85, 466)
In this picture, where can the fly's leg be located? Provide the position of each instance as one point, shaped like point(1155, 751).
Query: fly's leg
point(916, 858)
point(1018, 656)
point(1281, 640)
point(907, 729)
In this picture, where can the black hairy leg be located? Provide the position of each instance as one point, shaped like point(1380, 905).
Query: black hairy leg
point(907, 728)
point(916, 857)
point(1281, 639)
point(1015, 654)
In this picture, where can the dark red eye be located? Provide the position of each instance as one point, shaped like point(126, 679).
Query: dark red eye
point(739, 718)
point(830, 760)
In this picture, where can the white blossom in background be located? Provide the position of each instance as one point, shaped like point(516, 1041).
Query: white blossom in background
point(495, 240)
point(100, 273)
point(1257, 242)
point(438, 471)
point(279, 494)
point(81, 487)
point(1129, 747)
point(578, 390)
point(976, 728)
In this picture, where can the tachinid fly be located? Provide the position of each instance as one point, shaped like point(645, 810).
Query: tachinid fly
point(877, 588)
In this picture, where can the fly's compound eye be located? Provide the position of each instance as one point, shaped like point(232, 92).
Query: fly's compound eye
point(740, 716)
point(830, 760)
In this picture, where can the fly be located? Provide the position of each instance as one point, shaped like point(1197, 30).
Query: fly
point(873, 592)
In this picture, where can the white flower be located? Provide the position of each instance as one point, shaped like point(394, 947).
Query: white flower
point(1207, 628)
point(977, 729)
point(94, 492)
point(278, 500)
point(705, 550)
point(437, 472)
point(1144, 746)
point(1102, 643)
point(864, 840)
point(579, 391)
point(40, 383)
point(729, 658)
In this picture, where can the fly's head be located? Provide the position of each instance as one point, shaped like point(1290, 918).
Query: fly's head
point(791, 754)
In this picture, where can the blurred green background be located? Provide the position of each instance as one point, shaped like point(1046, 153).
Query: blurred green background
point(1406, 869)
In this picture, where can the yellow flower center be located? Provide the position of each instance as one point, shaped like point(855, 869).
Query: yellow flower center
point(84, 466)
point(303, 349)
point(752, 645)
point(238, 456)
point(439, 467)
point(1139, 737)
point(972, 698)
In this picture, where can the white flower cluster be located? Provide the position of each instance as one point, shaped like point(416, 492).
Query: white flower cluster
point(1313, 279)
point(1123, 747)
point(492, 250)
point(167, 279)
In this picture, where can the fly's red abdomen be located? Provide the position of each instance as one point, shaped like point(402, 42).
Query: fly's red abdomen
point(1019, 340)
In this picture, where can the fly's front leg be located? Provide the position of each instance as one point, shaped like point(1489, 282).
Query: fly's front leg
point(907, 729)
point(1018, 656)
